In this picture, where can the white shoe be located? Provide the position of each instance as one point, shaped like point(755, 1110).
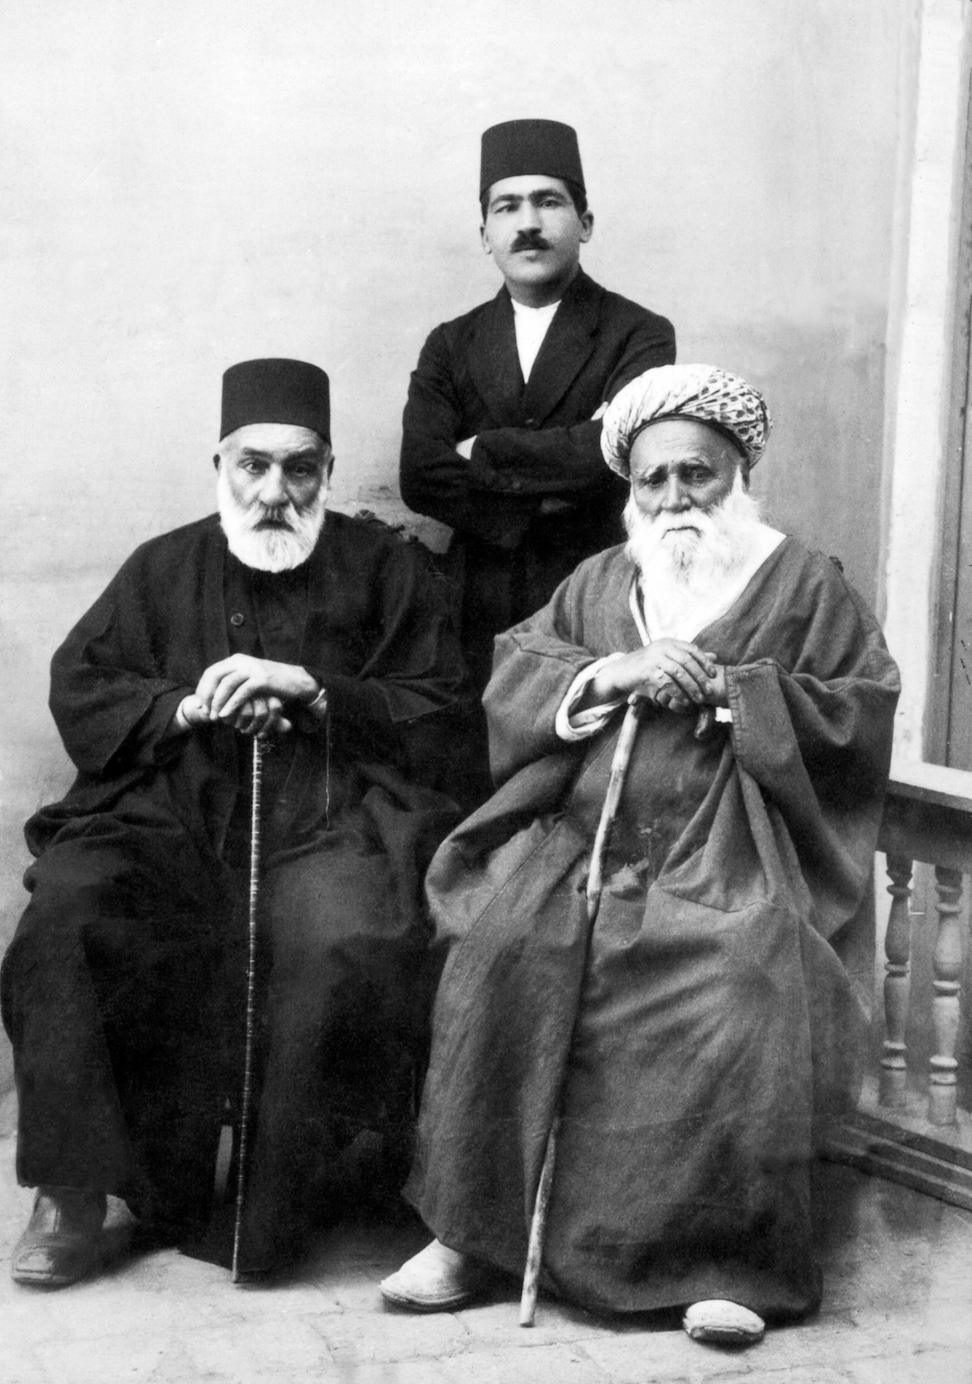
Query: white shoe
point(723, 1323)
point(437, 1279)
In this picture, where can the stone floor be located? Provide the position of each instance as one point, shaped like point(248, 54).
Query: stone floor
point(897, 1310)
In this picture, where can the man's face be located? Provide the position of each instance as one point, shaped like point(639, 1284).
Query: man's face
point(680, 465)
point(272, 493)
point(534, 233)
point(271, 467)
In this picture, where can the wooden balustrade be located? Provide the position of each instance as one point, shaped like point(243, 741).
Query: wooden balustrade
point(910, 1125)
point(947, 962)
point(897, 949)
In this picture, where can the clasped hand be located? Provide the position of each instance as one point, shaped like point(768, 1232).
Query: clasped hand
point(670, 673)
point(249, 694)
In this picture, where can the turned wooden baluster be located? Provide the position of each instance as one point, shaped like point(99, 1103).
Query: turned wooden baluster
point(947, 971)
point(897, 949)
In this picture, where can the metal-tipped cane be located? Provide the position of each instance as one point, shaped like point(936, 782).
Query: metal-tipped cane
point(247, 1101)
point(619, 770)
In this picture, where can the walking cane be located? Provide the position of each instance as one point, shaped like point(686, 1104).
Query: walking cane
point(247, 1101)
point(619, 770)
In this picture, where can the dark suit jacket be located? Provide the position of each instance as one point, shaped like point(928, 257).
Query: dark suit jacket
point(536, 497)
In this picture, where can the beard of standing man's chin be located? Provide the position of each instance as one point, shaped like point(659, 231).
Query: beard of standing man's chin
point(693, 551)
point(286, 545)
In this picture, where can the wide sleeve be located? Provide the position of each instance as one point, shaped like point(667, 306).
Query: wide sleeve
point(814, 729)
point(111, 697)
point(534, 668)
point(412, 670)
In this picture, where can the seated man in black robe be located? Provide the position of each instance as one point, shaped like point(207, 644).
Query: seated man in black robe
point(688, 1051)
point(124, 988)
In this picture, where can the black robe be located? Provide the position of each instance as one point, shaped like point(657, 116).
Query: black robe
point(716, 1022)
point(123, 988)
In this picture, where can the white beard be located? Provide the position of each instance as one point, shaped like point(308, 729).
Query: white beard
point(683, 568)
point(274, 549)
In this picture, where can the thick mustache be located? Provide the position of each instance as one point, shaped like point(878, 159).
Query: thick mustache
point(691, 519)
point(526, 241)
point(273, 517)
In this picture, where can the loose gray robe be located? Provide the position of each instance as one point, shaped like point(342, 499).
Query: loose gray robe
point(714, 1021)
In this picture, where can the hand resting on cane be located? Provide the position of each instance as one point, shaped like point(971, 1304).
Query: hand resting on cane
point(249, 694)
point(257, 716)
point(669, 673)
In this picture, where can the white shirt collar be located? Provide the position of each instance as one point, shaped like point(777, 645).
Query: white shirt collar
point(531, 326)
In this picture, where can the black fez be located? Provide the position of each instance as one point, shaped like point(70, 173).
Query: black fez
point(530, 146)
point(276, 391)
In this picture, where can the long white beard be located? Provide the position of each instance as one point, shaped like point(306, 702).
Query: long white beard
point(269, 550)
point(686, 566)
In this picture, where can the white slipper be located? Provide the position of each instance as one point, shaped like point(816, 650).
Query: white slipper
point(720, 1322)
point(437, 1279)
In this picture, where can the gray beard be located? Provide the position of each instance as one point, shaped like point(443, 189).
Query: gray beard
point(692, 566)
point(269, 550)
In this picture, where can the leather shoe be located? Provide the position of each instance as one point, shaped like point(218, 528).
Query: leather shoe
point(63, 1239)
point(723, 1323)
point(437, 1279)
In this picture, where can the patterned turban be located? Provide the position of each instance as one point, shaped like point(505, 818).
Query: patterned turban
point(702, 392)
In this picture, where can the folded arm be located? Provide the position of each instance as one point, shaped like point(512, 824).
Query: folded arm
point(493, 492)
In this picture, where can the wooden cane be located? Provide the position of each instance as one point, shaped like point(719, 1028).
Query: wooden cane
point(247, 1100)
point(538, 1221)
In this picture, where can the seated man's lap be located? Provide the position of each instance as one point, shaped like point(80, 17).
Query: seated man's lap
point(342, 957)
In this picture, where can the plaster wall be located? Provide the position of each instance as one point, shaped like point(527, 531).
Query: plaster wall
point(183, 185)
point(922, 348)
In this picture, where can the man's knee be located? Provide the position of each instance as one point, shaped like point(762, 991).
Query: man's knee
point(68, 881)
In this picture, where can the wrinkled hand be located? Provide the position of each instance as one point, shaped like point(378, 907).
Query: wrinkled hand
point(257, 715)
point(670, 673)
point(250, 693)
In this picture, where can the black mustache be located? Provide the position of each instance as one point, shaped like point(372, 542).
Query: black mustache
point(526, 241)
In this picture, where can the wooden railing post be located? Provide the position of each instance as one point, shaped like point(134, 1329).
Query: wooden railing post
point(928, 817)
point(897, 949)
point(947, 971)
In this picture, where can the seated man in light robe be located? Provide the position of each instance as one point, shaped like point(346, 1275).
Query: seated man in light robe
point(691, 1049)
point(124, 989)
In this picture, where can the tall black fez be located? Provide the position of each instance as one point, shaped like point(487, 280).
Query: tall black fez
point(530, 146)
point(276, 391)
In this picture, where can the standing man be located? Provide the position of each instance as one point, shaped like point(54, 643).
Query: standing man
point(501, 429)
point(123, 989)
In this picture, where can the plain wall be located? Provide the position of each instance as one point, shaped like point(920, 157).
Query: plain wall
point(187, 184)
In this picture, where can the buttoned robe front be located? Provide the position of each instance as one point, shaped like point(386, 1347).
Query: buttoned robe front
point(695, 1046)
point(124, 987)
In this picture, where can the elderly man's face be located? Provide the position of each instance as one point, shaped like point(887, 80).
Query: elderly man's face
point(272, 493)
point(273, 466)
point(679, 465)
point(534, 233)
